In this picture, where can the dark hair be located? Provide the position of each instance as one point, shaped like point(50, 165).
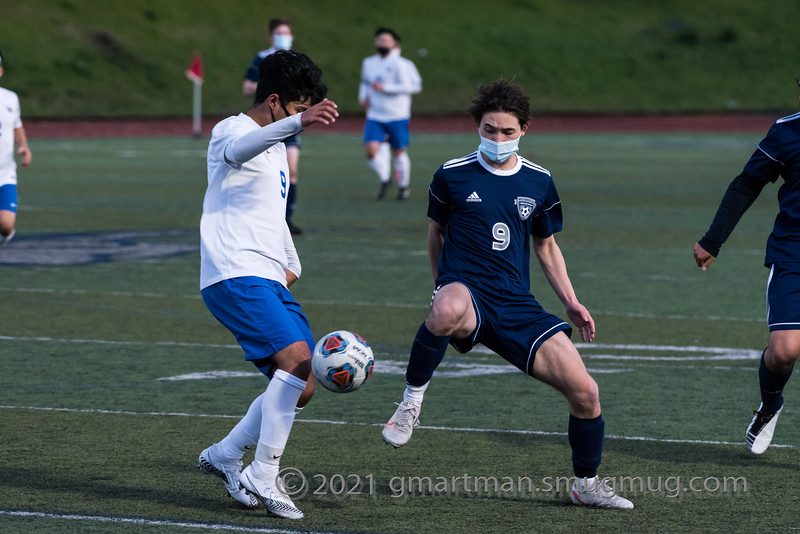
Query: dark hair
point(279, 21)
point(501, 95)
point(391, 32)
point(292, 76)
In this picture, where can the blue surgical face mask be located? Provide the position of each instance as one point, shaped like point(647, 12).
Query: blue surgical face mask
point(499, 152)
point(282, 41)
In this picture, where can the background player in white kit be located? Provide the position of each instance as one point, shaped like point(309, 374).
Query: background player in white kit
point(12, 133)
point(248, 261)
point(387, 83)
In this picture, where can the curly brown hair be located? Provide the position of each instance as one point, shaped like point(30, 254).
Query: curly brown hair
point(501, 95)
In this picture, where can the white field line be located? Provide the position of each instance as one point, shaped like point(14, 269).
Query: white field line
point(151, 522)
point(346, 423)
point(711, 353)
point(367, 304)
point(389, 367)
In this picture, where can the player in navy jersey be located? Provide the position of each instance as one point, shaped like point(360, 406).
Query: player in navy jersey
point(777, 156)
point(485, 209)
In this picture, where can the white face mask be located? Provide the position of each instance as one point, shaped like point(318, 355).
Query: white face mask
point(282, 41)
point(499, 152)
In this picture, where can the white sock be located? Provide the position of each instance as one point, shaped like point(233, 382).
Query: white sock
point(277, 415)
point(402, 169)
point(382, 163)
point(414, 393)
point(244, 435)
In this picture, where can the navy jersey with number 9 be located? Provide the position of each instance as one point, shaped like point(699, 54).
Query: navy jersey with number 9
point(490, 216)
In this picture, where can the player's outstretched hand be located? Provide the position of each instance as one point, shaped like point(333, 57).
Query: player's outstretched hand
point(702, 258)
point(581, 318)
point(322, 113)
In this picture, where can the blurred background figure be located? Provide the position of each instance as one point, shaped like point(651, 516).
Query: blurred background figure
point(387, 83)
point(12, 134)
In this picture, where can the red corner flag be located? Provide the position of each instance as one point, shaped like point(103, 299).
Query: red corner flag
point(195, 71)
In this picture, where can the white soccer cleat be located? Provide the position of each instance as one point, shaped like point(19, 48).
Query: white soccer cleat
point(270, 493)
point(597, 493)
point(398, 430)
point(762, 427)
point(229, 472)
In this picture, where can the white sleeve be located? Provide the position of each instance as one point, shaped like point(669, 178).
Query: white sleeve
point(363, 87)
point(291, 252)
point(408, 80)
point(253, 143)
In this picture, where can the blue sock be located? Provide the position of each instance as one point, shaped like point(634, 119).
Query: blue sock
point(772, 385)
point(426, 355)
point(586, 440)
point(291, 199)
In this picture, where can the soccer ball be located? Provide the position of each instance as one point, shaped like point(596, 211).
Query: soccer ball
point(342, 361)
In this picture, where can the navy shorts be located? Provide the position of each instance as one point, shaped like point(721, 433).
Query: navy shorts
point(783, 297)
point(513, 326)
point(261, 314)
point(396, 132)
point(8, 197)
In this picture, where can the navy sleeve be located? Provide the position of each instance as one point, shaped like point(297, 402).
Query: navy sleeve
point(252, 71)
point(438, 203)
point(548, 219)
point(741, 193)
point(765, 164)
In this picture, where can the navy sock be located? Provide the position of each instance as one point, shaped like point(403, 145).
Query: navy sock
point(772, 385)
point(586, 440)
point(426, 355)
point(291, 198)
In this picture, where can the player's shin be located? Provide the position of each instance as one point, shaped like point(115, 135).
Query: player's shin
point(427, 353)
point(586, 440)
point(277, 416)
point(245, 434)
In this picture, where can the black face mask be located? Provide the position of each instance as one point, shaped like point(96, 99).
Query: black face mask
point(382, 50)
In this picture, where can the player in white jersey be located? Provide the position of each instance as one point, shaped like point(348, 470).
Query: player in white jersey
point(387, 83)
point(248, 261)
point(12, 134)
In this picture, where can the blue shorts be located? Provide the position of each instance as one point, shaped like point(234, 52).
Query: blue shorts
point(396, 132)
point(513, 326)
point(292, 141)
point(783, 297)
point(8, 197)
point(261, 314)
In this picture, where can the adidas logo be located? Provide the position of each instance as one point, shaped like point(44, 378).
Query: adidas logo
point(474, 197)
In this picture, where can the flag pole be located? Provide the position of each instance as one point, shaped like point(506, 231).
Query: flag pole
point(195, 74)
point(197, 111)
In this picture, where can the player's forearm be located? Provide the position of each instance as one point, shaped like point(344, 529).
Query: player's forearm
point(435, 243)
point(551, 260)
point(20, 139)
point(740, 195)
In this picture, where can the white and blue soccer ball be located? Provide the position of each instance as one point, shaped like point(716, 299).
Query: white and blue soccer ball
point(342, 361)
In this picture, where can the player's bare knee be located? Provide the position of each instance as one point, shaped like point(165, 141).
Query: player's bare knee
point(584, 399)
point(7, 220)
point(445, 317)
point(781, 356)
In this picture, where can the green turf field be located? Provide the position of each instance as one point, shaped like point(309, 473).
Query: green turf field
point(100, 427)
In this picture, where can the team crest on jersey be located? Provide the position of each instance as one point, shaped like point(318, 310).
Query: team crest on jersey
point(525, 206)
